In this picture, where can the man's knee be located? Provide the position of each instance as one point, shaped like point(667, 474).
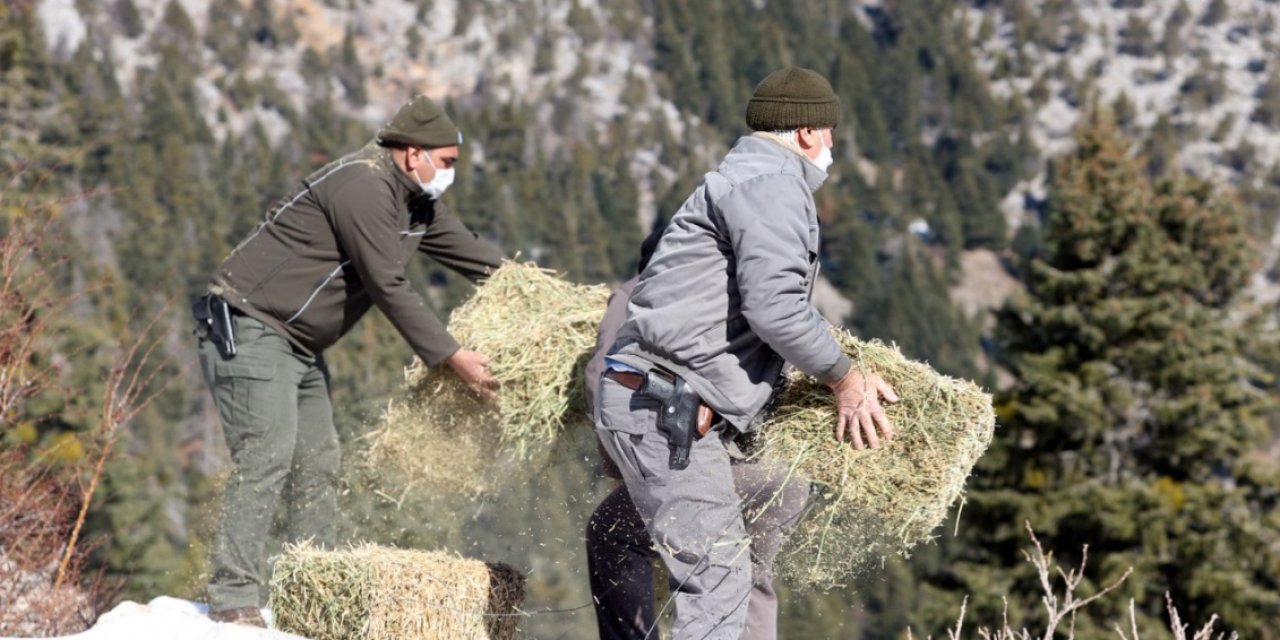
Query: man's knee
point(327, 462)
point(615, 526)
point(596, 538)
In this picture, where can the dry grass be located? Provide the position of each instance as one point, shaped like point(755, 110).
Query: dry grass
point(538, 331)
point(376, 593)
point(37, 507)
point(47, 482)
point(875, 502)
point(1061, 604)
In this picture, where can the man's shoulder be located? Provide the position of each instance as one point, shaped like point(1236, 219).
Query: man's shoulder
point(353, 172)
point(772, 185)
point(755, 163)
point(359, 181)
point(367, 165)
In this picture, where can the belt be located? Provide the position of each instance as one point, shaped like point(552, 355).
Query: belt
point(628, 379)
point(634, 381)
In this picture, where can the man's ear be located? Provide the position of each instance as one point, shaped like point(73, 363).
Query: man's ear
point(412, 157)
point(808, 137)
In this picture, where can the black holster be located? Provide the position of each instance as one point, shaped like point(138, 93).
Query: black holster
point(214, 322)
point(678, 417)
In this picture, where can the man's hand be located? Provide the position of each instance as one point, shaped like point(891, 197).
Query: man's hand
point(473, 368)
point(858, 409)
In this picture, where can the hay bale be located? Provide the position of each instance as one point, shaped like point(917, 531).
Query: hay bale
point(376, 593)
point(538, 330)
point(872, 503)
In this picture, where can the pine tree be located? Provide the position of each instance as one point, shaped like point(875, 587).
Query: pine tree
point(1215, 13)
point(1135, 407)
point(914, 311)
point(1124, 111)
point(1171, 41)
point(1161, 147)
point(1136, 39)
point(710, 47)
point(349, 71)
point(672, 55)
point(616, 191)
point(25, 68)
point(224, 33)
point(130, 20)
point(1268, 110)
point(973, 192)
point(861, 109)
point(582, 22)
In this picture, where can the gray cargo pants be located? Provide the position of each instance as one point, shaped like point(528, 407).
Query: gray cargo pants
point(278, 423)
point(619, 549)
point(693, 516)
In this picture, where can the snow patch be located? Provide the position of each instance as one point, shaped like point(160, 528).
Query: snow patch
point(166, 618)
point(63, 27)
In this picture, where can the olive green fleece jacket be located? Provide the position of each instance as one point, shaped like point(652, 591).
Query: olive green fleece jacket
point(339, 245)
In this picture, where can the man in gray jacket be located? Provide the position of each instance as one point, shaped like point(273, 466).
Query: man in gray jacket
point(721, 307)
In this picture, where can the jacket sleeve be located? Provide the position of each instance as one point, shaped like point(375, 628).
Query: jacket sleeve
point(450, 243)
point(366, 221)
point(769, 234)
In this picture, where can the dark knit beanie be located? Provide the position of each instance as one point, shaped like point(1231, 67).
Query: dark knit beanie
point(793, 97)
point(420, 123)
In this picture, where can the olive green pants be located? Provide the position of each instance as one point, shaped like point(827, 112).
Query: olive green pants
point(278, 422)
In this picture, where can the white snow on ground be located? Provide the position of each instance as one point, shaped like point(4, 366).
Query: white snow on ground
point(168, 618)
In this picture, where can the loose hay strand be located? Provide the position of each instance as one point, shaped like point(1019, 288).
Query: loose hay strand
point(872, 503)
point(538, 331)
point(375, 593)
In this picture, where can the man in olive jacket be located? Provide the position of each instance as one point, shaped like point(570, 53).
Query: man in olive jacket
point(722, 306)
point(324, 256)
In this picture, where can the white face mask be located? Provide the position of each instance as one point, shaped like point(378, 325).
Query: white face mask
point(439, 184)
point(824, 159)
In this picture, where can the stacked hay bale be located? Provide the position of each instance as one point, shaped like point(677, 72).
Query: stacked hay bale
point(375, 593)
point(538, 331)
point(875, 502)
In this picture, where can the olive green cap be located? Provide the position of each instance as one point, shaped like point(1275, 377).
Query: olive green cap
point(420, 123)
point(793, 97)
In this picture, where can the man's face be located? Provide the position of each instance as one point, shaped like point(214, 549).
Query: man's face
point(429, 160)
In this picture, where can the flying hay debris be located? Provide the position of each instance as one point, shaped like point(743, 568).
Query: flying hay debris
point(376, 593)
point(872, 503)
point(538, 331)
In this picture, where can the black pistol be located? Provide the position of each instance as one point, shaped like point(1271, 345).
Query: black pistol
point(678, 416)
point(214, 322)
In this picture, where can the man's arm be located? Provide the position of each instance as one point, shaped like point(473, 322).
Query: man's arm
point(769, 231)
point(450, 243)
point(769, 237)
point(367, 224)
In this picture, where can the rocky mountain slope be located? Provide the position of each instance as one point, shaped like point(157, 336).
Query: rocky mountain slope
point(1195, 79)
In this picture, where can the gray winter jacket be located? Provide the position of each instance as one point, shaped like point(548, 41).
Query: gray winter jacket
point(726, 298)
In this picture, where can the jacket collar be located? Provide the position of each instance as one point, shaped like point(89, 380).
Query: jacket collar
point(809, 172)
point(403, 179)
